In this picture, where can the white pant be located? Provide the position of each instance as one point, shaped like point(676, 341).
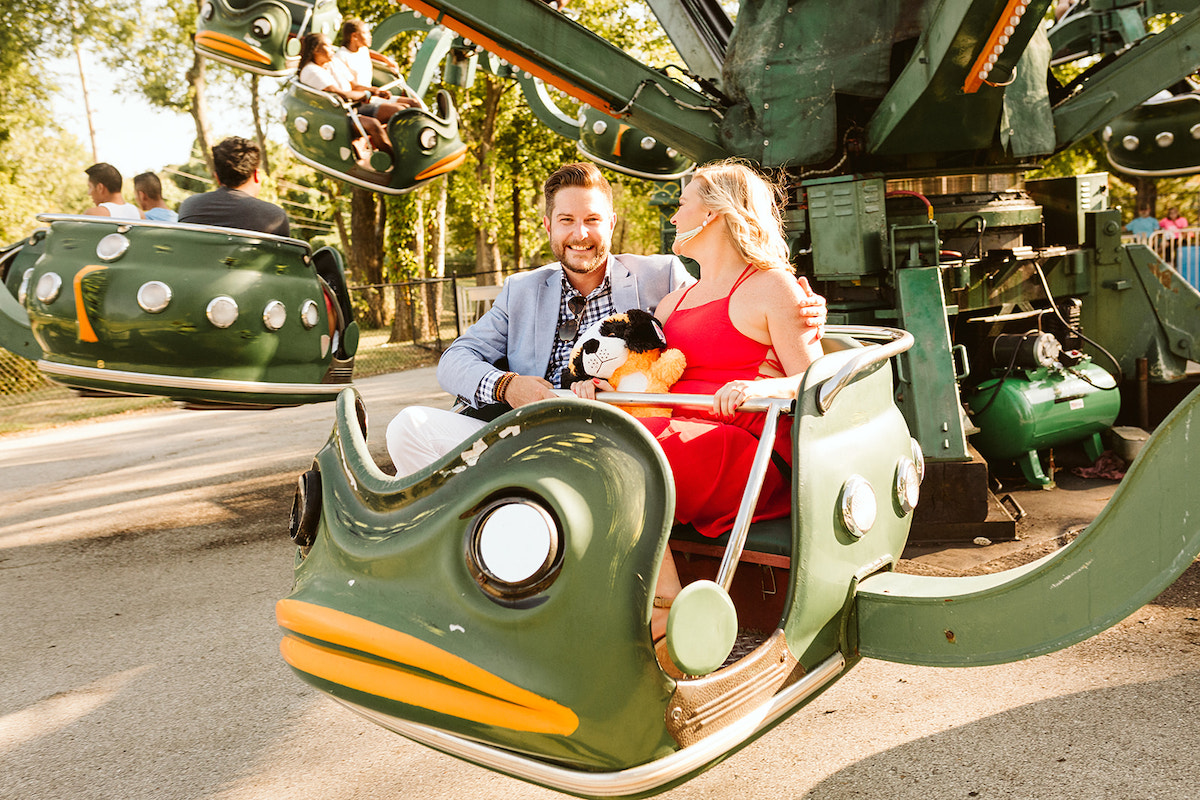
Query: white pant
point(419, 436)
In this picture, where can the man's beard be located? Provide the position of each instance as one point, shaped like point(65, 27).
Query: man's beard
point(597, 260)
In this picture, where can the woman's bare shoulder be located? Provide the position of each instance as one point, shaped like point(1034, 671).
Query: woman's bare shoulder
point(777, 286)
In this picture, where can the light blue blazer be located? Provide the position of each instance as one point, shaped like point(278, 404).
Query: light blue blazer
point(522, 323)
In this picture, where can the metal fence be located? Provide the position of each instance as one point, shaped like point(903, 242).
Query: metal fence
point(29, 400)
point(1180, 248)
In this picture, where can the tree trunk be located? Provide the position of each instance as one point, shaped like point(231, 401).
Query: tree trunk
point(366, 251)
point(487, 246)
point(259, 135)
point(402, 320)
point(518, 258)
point(199, 110)
point(437, 259)
point(408, 323)
point(1147, 195)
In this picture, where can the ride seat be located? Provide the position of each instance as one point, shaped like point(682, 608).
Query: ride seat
point(769, 542)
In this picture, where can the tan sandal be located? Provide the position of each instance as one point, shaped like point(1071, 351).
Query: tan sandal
point(664, 660)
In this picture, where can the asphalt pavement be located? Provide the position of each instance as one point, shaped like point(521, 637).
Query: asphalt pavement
point(141, 557)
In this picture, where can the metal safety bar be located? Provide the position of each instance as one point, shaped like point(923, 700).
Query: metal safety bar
point(895, 341)
point(758, 473)
point(643, 779)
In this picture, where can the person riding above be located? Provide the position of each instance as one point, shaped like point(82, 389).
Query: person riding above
point(357, 55)
point(319, 69)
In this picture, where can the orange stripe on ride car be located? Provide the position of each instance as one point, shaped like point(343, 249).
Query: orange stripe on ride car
point(480, 697)
point(86, 332)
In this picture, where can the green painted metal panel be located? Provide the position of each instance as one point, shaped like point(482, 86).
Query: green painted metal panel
point(95, 324)
point(1118, 87)
point(863, 433)
point(15, 261)
point(15, 334)
point(928, 390)
point(848, 223)
point(541, 40)
point(392, 551)
point(1144, 538)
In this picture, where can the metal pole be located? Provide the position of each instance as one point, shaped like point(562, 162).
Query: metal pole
point(758, 472)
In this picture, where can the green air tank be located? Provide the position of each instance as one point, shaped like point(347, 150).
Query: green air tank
point(1038, 408)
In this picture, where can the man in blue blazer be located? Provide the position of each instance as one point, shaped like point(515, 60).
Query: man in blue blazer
point(522, 326)
point(514, 355)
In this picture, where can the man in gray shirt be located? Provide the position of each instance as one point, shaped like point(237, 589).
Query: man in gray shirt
point(235, 203)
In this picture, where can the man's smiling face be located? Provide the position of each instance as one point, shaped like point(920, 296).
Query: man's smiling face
point(580, 227)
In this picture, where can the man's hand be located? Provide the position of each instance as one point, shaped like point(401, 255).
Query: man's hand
point(813, 311)
point(525, 389)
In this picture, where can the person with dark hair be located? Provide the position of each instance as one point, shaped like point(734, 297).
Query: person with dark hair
point(147, 188)
point(1144, 224)
point(104, 188)
point(319, 69)
point(538, 316)
point(234, 203)
point(356, 54)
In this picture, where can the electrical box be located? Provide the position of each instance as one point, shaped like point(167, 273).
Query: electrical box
point(1066, 201)
point(848, 225)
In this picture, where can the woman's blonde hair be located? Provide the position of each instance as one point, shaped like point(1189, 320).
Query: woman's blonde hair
point(750, 206)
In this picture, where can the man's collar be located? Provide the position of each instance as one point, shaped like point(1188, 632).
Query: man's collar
point(606, 281)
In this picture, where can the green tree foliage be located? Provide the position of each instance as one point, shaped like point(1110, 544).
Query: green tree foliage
point(42, 172)
point(157, 61)
point(40, 166)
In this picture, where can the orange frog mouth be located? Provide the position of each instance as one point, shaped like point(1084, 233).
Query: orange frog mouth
point(372, 658)
point(443, 165)
point(223, 43)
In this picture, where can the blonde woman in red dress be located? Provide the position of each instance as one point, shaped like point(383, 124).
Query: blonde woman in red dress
point(744, 336)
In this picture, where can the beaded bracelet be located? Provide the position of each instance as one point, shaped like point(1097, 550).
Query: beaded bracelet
point(502, 385)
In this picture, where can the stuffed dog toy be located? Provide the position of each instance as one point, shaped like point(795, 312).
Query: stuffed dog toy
point(630, 352)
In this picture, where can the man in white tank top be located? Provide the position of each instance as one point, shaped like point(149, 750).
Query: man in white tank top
point(104, 187)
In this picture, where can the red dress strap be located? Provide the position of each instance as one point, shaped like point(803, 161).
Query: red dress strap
point(741, 278)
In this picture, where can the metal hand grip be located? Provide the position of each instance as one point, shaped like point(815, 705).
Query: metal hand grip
point(896, 341)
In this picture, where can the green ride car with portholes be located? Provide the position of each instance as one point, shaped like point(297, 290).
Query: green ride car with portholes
point(207, 315)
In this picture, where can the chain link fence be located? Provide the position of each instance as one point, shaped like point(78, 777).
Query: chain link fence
point(411, 338)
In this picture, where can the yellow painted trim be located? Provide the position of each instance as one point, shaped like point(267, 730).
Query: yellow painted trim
point(446, 164)
point(223, 43)
point(86, 332)
point(620, 135)
point(480, 696)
